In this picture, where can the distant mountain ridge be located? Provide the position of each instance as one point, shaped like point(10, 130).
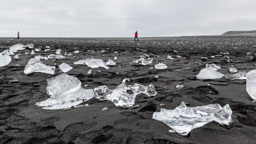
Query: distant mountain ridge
point(240, 33)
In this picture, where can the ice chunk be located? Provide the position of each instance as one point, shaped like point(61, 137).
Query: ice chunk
point(92, 63)
point(4, 60)
point(76, 51)
point(41, 57)
point(65, 67)
point(110, 62)
point(89, 72)
point(15, 48)
point(232, 69)
point(37, 49)
point(213, 66)
point(16, 56)
point(251, 84)
point(58, 51)
point(123, 95)
point(65, 92)
point(183, 119)
point(240, 75)
point(209, 73)
point(31, 46)
point(35, 65)
point(160, 66)
point(54, 56)
point(32, 52)
point(170, 57)
point(143, 61)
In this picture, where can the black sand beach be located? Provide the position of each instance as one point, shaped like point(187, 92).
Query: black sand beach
point(22, 122)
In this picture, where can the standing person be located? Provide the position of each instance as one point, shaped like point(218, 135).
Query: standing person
point(18, 35)
point(136, 36)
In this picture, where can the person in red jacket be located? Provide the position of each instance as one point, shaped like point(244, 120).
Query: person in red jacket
point(136, 36)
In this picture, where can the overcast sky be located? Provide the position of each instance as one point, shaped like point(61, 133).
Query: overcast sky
point(121, 18)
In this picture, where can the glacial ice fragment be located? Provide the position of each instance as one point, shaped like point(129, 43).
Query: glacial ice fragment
point(170, 57)
point(213, 66)
point(65, 92)
point(240, 75)
point(35, 65)
point(92, 63)
point(251, 84)
point(65, 67)
point(143, 61)
point(54, 56)
point(4, 60)
point(209, 73)
point(124, 95)
point(110, 62)
point(183, 119)
point(160, 66)
point(232, 69)
point(58, 51)
point(16, 47)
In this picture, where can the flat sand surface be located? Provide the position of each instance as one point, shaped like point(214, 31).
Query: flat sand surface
point(21, 121)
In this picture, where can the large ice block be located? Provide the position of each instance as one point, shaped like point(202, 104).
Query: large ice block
point(92, 63)
point(35, 65)
point(209, 73)
point(4, 60)
point(251, 84)
point(124, 95)
point(65, 92)
point(16, 47)
point(183, 119)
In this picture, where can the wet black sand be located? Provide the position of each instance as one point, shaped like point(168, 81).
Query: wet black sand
point(23, 122)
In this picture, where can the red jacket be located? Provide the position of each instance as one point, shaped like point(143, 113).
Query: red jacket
point(136, 34)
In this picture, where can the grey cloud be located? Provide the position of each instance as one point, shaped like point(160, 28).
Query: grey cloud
point(91, 18)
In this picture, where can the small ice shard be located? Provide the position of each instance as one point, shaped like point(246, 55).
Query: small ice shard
point(16, 56)
point(76, 51)
point(54, 56)
point(41, 57)
point(31, 46)
point(65, 92)
point(46, 50)
point(209, 73)
point(92, 63)
point(110, 62)
point(15, 48)
point(35, 65)
point(4, 60)
point(37, 49)
point(160, 66)
point(89, 72)
point(240, 75)
point(232, 69)
point(32, 52)
point(213, 66)
point(179, 86)
point(251, 84)
point(65, 67)
point(170, 57)
point(115, 58)
point(124, 95)
point(183, 119)
point(58, 51)
point(105, 109)
point(143, 61)
point(47, 47)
